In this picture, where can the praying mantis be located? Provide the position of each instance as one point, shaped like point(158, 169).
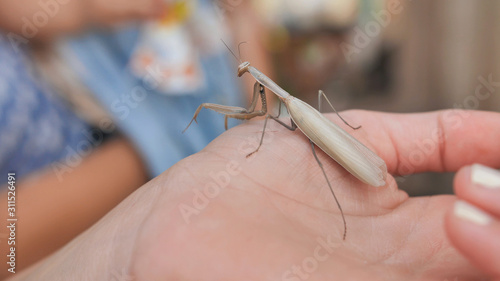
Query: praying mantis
point(347, 151)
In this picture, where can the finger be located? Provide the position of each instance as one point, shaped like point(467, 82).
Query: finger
point(480, 186)
point(475, 234)
point(473, 224)
point(435, 141)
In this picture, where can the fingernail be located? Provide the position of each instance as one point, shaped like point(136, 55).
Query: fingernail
point(485, 176)
point(470, 213)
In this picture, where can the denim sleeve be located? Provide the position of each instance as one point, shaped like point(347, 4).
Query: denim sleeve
point(37, 130)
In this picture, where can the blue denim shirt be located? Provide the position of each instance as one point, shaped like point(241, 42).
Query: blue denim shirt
point(153, 121)
point(36, 127)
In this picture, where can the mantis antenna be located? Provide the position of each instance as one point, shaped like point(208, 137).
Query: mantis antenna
point(231, 50)
point(239, 51)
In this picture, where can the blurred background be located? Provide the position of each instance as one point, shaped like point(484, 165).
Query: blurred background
point(93, 105)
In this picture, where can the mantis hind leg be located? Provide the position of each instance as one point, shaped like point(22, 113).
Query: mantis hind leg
point(320, 94)
point(331, 189)
point(236, 111)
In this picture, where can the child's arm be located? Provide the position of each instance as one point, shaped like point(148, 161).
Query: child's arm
point(52, 210)
point(43, 19)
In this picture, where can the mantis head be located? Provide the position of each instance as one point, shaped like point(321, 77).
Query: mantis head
point(242, 68)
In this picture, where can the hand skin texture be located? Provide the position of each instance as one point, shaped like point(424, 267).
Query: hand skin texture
point(274, 218)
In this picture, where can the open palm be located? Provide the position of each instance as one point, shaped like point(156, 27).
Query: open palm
point(218, 215)
point(272, 217)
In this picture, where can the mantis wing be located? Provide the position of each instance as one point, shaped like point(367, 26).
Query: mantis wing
point(351, 154)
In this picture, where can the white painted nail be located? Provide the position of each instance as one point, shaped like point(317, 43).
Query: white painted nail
point(485, 176)
point(471, 213)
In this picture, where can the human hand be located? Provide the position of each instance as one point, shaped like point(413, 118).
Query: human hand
point(273, 217)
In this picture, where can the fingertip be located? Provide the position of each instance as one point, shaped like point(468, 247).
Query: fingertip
point(479, 185)
point(472, 224)
point(475, 234)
